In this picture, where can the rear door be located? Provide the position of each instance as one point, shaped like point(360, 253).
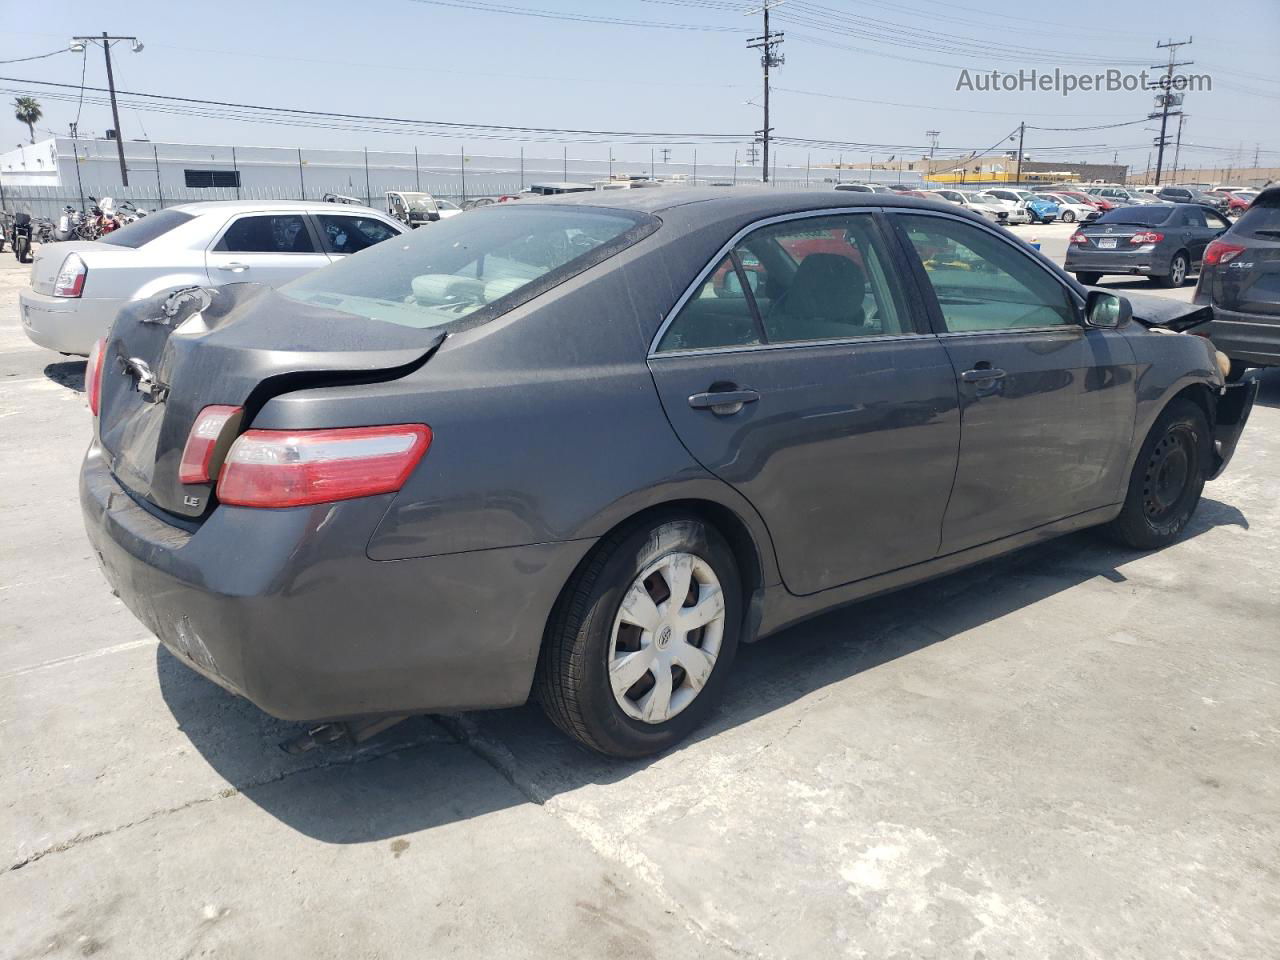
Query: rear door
point(800, 370)
point(1047, 404)
point(270, 248)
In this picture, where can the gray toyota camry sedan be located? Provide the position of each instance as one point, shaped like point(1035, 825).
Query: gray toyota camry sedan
point(581, 449)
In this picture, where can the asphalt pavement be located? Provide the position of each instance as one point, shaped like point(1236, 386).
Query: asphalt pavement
point(1072, 752)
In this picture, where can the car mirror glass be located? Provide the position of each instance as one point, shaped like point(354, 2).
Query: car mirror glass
point(1107, 311)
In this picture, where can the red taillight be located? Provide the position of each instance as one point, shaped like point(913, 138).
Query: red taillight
point(1079, 238)
point(290, 468)
point(1149, 236)
point(202, 441)
point(1221, 251)
point(70, 279)
point(93, 376)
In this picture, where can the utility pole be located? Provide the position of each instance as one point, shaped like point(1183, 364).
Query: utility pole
point(1168, 98)
point(1022, 130)
point(1177, 147)
point(767, 43)
point(666, 156)
point(78, 45)
point(933, 145)
point(752, 150)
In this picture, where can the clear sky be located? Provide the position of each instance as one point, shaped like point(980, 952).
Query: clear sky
point(478, 61)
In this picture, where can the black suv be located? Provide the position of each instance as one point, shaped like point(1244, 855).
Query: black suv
point(1192, 195)
point(1241, 279)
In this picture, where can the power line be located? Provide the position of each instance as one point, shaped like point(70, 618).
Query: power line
point(480, 7)
point(39, 56)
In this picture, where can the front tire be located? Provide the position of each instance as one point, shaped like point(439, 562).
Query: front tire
point(1167, 480)
point(1068, 216)
point(1089, 279)
point(1237, 371)
point(641, 640)
point(22, 250)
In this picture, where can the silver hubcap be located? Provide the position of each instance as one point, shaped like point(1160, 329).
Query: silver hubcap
point(666, 637)
point(1179, 270)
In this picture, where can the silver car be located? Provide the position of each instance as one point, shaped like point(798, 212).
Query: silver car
point(77, 288)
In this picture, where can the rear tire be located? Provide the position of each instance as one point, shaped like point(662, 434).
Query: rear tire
point(1167, 480)
point(593, 633)
point(1088, 279)
point(1237, 371)
point(1177, 274)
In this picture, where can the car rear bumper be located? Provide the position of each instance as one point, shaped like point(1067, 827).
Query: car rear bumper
point(1247, 337)
point(1233, 409)
point(1091, 260)
point(66, 324)
point(284, 608)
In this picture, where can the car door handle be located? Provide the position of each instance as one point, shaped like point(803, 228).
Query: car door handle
point(982, 373)
point(234, 267)
point(723, 402)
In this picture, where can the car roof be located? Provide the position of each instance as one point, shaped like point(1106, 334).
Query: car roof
point(202, 207)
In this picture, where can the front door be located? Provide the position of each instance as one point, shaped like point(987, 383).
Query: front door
point(1047, 404)
point(270, 248)
point(800, 372)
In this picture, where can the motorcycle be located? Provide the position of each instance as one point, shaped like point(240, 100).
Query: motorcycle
point(68, 223)
point(21, 235)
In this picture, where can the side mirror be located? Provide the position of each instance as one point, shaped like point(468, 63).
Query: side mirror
point(1107, 311)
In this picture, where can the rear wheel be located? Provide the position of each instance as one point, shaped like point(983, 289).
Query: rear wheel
point(1068, 216)
point(1088, 279)
point(1177, 274)
point(641, 640)
point(1167, 479)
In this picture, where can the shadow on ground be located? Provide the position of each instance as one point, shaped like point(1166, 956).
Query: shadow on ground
point(68, 373)
point(381, 789)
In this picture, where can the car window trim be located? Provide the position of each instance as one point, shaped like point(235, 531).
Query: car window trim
point(930, 296)
point(893, 257)
point(307, 221)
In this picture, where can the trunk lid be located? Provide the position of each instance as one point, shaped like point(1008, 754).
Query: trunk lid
point(50, 256)
point(1112, 236)
point(1250, 281)
point(240, 344)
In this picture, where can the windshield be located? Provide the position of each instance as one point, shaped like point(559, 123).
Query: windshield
point(146, 229)
point(1147, 216)
point(463, 264)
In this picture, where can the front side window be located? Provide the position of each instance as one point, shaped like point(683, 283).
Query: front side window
point(269, 233)
point(461, 265)
point(984, 283)
point(813, 279)
point(346, 234)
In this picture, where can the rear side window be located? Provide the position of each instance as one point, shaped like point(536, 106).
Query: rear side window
point(1261, 220)
point(146, 229)
point(1192, 217)
point(348, 234)
point(269, 233)
point(814, 279)
point(496, 257)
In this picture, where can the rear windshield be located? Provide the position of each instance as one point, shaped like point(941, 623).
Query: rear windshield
point(145, 229)
point(502, 255)
point(1261, 219)
point(1145, 216)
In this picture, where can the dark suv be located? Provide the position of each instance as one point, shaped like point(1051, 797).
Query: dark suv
point(1192, 195)
point(1241, 279)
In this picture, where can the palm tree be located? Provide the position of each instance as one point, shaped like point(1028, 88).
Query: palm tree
point(27, 110)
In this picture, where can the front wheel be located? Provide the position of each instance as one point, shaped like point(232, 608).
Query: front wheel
point(642, 638)
point(1068, 216)
point(1237, 371)
point(1167, 479)
point(1088, 279)
point(22, 249)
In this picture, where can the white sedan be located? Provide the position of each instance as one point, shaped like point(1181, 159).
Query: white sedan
point(1069, 210)
point(78, 287)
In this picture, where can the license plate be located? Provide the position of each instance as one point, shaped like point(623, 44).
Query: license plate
point(1107, 244)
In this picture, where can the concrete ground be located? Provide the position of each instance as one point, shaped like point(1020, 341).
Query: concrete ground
point(1073, 752)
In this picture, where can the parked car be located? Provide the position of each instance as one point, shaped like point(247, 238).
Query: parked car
point(485, 460)
point(994, 210)
point(865, 188)
point(1039, 208)
point(1101, 204)
point(557, 188)
point(1192, 195)
point(1164, 242)
point(1012, 210)
point(1123, 196)
point(1071, 209)
point(415, 207)
point(78, 287)
point(1241, 281)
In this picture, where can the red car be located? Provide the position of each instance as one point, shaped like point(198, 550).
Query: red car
point(1101, 203)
